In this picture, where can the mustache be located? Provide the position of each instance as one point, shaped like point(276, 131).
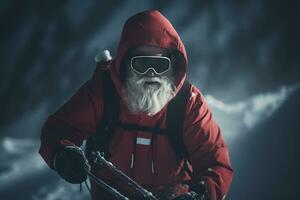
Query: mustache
point(152, 79)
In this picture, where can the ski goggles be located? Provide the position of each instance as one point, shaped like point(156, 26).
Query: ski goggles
point(142, 64)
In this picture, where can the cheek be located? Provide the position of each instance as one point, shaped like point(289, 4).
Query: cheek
point(169, 74)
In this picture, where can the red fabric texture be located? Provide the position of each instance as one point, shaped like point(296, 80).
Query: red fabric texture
point(76, 120)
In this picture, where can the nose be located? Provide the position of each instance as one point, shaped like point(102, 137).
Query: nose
point(150, 73)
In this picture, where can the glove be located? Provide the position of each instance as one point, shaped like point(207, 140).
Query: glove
point(198, 191)
point(71, 164)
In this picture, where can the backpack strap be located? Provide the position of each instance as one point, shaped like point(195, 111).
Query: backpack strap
point(175, 118)
point(106, 128)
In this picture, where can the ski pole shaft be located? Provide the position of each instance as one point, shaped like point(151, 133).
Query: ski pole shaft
point(106, 187)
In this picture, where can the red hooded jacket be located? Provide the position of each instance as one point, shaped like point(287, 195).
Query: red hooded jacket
point(77, 119)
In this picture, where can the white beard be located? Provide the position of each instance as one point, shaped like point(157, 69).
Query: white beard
point(148, 98)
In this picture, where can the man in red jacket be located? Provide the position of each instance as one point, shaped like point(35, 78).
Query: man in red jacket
point(148, 72)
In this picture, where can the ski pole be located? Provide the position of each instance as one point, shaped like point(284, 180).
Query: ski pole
point(106, 187)
point(100, 160)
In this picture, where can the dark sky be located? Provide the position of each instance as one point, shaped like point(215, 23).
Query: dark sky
point(243, 55)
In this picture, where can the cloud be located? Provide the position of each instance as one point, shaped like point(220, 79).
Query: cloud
point(21, 160)
point(257, 108)
point(61, 190)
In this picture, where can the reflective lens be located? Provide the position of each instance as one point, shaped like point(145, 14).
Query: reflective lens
point(141, 64)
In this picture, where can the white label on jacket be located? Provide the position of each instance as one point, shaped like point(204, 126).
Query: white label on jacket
point(143, 141)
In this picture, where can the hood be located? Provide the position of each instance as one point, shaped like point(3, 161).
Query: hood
point(153, 29)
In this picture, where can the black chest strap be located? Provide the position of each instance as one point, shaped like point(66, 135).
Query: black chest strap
point(136, 127)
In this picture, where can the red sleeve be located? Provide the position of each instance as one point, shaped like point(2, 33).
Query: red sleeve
point(208, 152)
point(73, 122)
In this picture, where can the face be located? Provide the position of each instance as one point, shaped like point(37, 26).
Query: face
point(150, 79)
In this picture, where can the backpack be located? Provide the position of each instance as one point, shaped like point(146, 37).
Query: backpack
point(106, 128)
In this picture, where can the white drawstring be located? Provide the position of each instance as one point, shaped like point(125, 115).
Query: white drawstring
point(132, 161)
point(152, 167)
